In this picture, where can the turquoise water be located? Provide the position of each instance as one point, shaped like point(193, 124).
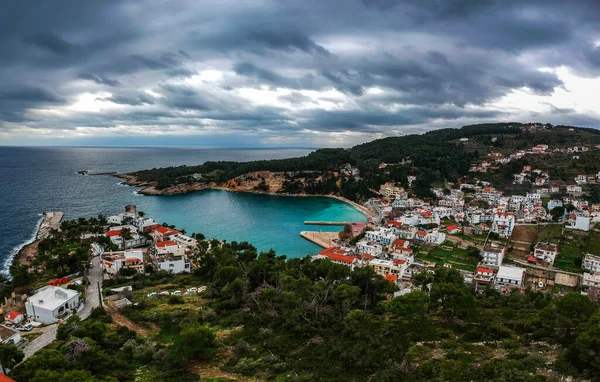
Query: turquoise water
point(267, 221)
point(34, 180)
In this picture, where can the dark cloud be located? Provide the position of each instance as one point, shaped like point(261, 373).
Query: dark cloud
point(395, 65)
point(100, 80)
point(51, 43)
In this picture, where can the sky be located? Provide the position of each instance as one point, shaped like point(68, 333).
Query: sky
point(310, 73)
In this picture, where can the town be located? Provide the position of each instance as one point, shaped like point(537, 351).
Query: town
point(543, 239)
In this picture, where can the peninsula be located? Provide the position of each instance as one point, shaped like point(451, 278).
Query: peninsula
point(50, 221)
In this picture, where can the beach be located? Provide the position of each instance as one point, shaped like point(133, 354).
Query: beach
point(28, 253)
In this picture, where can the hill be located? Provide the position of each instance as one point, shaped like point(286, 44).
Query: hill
point(434, 157)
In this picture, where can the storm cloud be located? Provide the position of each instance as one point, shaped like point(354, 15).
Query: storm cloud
point(318, 73)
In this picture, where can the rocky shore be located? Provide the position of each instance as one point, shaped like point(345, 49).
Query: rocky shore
point(28, 253)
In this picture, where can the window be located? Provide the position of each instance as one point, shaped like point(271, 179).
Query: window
point(171, 265)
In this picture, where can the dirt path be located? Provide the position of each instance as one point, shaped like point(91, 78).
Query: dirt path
point(120, 319)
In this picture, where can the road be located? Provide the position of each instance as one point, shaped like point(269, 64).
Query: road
point(91, 301)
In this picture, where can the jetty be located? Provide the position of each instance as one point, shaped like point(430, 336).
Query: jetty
point(311, 222)
point(322, 239)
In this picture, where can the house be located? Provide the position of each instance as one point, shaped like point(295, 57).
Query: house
point(591, 263)
point(406, 232)
point(13, 317)
point(173, 263)
point(337, 256)
point(453, 229)
point(384, 236)
point(112, 262)
point(503, 224)
point(52, 303)
point(546, 252)
point(510, 276)
point(483, 276)
point(368, 247)
point(169, 246)
point(161, 233)
point(385, 267)
point(591, 280)
point(581, 179)
point(9, 336)
point(573, 189)
point(421, 235)
point(184, 240)
point(435, 238)
point(540, 149)
point(391, 190)
point(554, 189)
point(582, 223)
point(402, 246)
point(492, 255)
point(135, 240)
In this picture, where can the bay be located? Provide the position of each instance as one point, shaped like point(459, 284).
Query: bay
point(38, 179)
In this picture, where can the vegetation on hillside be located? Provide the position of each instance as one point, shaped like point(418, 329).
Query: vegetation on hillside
point(266, 318)
point(433, 157)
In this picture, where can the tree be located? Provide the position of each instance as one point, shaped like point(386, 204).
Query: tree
point(566, 314)
point(570, 207)
point(9, 356)
point(412, 305)
point(346, 233)
point(194, 342)
point(125, 235)
point(586, 349)
point(557, 213)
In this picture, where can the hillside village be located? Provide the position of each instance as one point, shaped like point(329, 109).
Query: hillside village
point(544, 239)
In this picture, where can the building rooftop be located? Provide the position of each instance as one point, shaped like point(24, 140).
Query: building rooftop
point(510, 272)
point(51, 297)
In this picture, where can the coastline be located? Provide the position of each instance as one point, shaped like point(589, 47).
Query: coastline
point(148, 188)
point(50, 220)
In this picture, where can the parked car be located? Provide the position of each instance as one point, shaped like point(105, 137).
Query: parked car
point(177, 292)
point(187, 292)
point(165, 293)
point(25, 328)
point(193, 290)
point(152, 294)
point(202, 289)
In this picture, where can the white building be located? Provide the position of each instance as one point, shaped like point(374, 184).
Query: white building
point(169, 246)
point(51, 303)
point(492, 255)
point(391, 190)
point(184, 240)
point(9, 336)
point(591, 263)
point(546, 252)
point(114, 261)
point(173, 263)
point(582, 222)
point(510, 276)
point(384, 236)
point(503, 224)
point(370, 248)
point(435, 238)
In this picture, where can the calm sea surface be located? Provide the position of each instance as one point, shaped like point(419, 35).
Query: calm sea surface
point(34, 180)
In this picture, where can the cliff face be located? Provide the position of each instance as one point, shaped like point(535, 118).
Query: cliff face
point(248, 182)
point(149, 188)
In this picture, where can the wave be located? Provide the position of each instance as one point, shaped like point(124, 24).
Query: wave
point(5, 271)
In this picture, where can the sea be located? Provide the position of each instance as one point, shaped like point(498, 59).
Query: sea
point(38, 179)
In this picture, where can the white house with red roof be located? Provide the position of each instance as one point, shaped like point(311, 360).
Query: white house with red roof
point(161, 233)
point(483, 275)
point(453, 229)
point(136, 240)
point(389, 267)
point(369, 247)
point(581, 179)
point(112, 262)
point(14, 317)
point(338, 256)
point(169, 246)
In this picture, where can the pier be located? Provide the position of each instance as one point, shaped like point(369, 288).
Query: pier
point(310, 222)
point(322, 239)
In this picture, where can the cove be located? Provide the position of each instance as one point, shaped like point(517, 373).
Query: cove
point(266, 221)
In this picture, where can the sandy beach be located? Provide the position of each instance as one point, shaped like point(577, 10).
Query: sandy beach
point(50, 221)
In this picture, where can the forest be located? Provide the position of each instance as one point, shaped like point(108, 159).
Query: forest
point(264, 317)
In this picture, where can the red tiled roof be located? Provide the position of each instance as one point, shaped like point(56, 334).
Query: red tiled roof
point(422, 233)
point(114, 232)
point(395, 223)
point(167, 243)
point(400, 243)
point(452, 227)
point(426, 213)
point(484, 270)
point(391, 278)
point(4, 378)
point(365, 256)
point(341, 258)
point(333, 250)
point(11, 316)
point(167, 230)
point(132, 260)
point(399, 261)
